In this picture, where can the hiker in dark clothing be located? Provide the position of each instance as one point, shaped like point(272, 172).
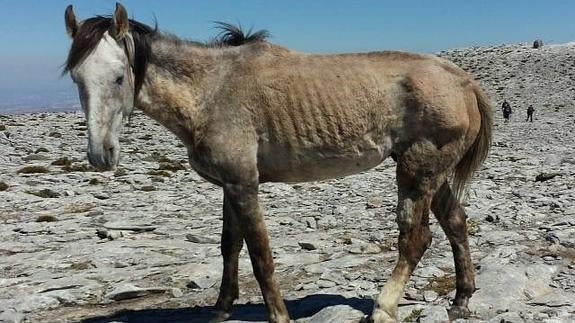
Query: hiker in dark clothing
point(506, 107)
point(530, 111)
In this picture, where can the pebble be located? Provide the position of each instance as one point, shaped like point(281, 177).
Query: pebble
point(307, 245)
point(202, 239)
point(202, 282)
point(429, 295)
point(325, 283)
point(137, 227)
point(337, 313)
point(129, 291)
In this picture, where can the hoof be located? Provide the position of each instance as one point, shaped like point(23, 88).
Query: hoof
point(380, 316)
point(220, 316)
point(459, 312)
point(281, 319)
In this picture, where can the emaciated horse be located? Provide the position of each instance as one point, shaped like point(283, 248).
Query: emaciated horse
point(251, 112)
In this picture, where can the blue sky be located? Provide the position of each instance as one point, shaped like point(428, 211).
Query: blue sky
point(34, 43)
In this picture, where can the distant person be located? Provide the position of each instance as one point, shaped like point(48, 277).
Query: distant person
point(506, 107)
point(530, 111)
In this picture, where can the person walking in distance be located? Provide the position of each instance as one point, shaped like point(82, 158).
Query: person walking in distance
point(530, 111)
point(506, 107)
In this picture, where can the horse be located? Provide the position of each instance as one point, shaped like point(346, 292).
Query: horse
point(250, 112)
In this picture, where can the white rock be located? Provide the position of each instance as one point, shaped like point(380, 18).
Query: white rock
point(434, 314)
point(333, 314)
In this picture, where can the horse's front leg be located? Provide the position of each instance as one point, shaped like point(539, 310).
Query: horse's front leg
point(243, 199)
point(231, 245)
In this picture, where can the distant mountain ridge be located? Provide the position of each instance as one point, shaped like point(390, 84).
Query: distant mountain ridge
point(544, 77)
point(30, 101)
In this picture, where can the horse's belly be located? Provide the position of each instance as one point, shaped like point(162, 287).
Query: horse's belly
point(277, 164)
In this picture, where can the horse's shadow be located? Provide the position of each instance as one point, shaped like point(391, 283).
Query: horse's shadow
point(299, 308)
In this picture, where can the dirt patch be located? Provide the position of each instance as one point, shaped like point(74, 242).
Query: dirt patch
point(33, 169)
point(441, 285)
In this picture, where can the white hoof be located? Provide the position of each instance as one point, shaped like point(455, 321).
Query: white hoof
point(381, 316)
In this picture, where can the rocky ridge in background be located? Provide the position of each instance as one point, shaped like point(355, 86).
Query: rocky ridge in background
point(81, 245)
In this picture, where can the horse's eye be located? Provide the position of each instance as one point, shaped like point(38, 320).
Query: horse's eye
point(120, 80)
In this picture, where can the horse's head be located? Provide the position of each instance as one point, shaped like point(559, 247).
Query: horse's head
point(100, 62)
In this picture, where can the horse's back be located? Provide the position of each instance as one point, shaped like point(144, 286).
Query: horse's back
point(324, 116)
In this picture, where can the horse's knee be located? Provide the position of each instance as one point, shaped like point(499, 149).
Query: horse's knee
point(457, 225)
point(405, 215)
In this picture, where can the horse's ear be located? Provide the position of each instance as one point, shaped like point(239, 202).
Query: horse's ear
point(120, 22)
point(71, 23)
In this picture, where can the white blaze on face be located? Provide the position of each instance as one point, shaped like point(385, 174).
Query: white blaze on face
point(106, 95)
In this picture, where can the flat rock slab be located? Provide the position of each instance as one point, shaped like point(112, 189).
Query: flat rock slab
point(128, 291)
point(434, 314)
point(202, 239)
point(335, 314)
point(127, 226)
point(522, 283)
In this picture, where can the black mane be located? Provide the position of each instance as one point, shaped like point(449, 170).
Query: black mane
point(92, 29)
point(231, 35)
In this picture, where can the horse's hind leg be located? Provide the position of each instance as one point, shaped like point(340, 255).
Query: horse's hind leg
point(415, 192)
point(231, 245)
point(452, 219)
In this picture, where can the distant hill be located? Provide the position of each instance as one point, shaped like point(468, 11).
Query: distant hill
point(544, 77)
point(47, 100)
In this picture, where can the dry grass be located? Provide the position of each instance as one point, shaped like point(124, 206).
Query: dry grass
point(172, 166)
point(33, 169)
point(94, 181)
point(64, 161)
point(413, 316)
point(473, 227)
point(46, 218)
point(8, 215)
point(162, 173)
point(78, 208)
point(148, 188)
point(45, 193)
point(78, 168)
point(441, 285)
point(82, 265)
point(120, 172)
point(553, 251)
point(157, 157)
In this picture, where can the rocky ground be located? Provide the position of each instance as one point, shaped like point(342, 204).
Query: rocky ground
point(141, 244)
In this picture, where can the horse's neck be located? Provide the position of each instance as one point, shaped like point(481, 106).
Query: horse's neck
point(175, 86)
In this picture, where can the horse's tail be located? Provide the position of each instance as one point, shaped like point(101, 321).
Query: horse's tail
point(477, 153)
